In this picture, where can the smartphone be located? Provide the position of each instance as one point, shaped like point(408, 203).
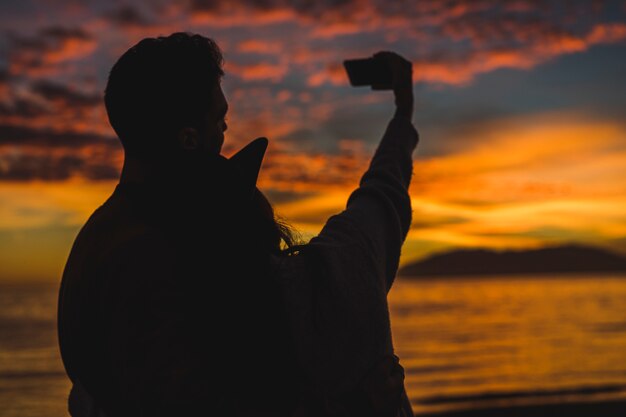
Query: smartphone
point(368, 71)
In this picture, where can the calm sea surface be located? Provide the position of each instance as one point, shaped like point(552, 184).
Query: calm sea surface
point(463, 342)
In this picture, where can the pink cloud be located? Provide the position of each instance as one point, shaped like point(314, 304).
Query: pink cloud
point(451, 70)
point(258, 71)
point(607, 33)
point(260, 46)
point(47, 52)
point(449, 44)
point(332, 74)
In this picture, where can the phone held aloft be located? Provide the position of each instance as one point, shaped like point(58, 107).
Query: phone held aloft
point(369, 71)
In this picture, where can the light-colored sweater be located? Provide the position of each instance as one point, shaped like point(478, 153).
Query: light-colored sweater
point(335, 288)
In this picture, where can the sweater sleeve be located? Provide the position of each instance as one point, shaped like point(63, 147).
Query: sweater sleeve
point(336, 288)
point(378, 212)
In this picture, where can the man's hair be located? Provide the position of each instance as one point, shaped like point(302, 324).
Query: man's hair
point(159, 86)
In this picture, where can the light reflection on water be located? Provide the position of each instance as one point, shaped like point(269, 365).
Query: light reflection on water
point(32, 380)
point(463, 342)
point(510, 340)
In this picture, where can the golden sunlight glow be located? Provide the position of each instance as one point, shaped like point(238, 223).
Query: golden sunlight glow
point(523, 182)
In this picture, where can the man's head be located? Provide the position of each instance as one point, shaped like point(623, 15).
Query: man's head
point(164, 95)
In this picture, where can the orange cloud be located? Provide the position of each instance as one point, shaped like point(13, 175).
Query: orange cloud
point(89, 161)
point(333, 74)
point(45, 53)
point(482, 195)
point(546, 179)
point(69, 49)
point(451, 70)
point(547, 156)
point(259, 46)
point(334, 29)
point(4, 86)
point(607, 33)
point(526, 181)
point(228, 14)
point(523, 182)
point(259, 71)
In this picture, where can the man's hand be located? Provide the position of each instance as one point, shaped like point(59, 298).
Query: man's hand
point(401, 81)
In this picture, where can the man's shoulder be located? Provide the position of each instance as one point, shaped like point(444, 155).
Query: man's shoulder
point(114, 234)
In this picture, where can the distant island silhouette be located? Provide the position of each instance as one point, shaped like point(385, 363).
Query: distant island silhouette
point(560, 259)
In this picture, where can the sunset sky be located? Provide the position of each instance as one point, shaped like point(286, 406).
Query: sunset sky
point(520, 106)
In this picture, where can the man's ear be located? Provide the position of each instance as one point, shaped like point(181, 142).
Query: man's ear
point(188, 139)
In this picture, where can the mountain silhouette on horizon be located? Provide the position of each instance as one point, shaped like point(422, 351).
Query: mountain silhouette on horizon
point(567, 258)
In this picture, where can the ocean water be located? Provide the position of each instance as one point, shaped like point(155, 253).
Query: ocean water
point(32, 379)
point(464, 343)
point(489, 342)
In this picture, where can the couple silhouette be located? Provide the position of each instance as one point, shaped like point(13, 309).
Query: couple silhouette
point(184, 295)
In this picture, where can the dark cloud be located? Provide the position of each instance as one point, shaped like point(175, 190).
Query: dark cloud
point(23, 166)
point(49, 138)
point(430, 12)
point(277, 196)
point(65, 94)
point(307, 7)
point(453, 41)
point(46, 100)
point(35, 44)
point(44, 154)
point(127, 16)
point(22, 108)
point(314, 216)
point(307, 10)
point(423, 220)
point(463, 39)
point(44, 52)
point(205, 5)
point(30, 167)
point(101, 171)
point(63, 33)
point(4, 87)
point(47, 38)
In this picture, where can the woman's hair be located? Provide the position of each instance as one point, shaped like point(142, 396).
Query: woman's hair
point(270, 231)
point(159, 86)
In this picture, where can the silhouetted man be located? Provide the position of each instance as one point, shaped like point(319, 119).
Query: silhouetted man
point(177, 298)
